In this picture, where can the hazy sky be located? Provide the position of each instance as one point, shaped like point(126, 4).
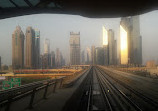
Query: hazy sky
point(57, 28)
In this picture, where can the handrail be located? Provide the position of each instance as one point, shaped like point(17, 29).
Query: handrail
point(13, 94)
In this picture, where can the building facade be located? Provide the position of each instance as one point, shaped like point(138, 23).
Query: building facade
point(74, 48)
point(83, 57)
point(105, 46)
point(18, 48)
point(30, 48)
point(115, 52)
point(52, 59)
point(0, 62)
point(47, 46)
point(37, 49)
point(88, 56)
point(111, 47)
point(130, 41)
point(58, 58)
point(93, 53)
point(62, 60)
point(99, 56)
point(45, 61)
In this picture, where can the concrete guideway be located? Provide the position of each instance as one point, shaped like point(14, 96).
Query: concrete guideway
point(57, 101)
point(88, 96)
point(30, 95)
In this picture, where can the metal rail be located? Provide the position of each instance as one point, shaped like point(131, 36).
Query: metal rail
point(139, 94)
point(89, 97)
point(85, 103)
point(7, 97)
point(107, 101)
point(111, 94)
point(120, 98)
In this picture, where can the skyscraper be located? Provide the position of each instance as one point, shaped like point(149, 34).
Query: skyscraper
point(30, 48)
point(37, 48)
point(111, 43)
point(93, 53)
point(58, 58)
point(130, 41)
point(45, 61)
point(140, 50)
point(109, 47)
point(41, 61)
point(88, 55)
point(99, 56)
point(46, 55)
point(52, 59)
point(18, 48)
point(137, 41)
point(105, 46)
point(124, 46)
point(115, 52)
point(83, 57)
point(47, 46)
point(62, 59)
point(0, 62)
point(74, 48)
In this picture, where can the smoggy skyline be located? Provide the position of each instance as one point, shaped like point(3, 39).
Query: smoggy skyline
point(57, 28)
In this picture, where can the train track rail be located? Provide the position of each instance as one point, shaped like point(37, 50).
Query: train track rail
point(86, 99)
point(117, 99)
point(102, 92)
point(153, 104)
point(106, 99)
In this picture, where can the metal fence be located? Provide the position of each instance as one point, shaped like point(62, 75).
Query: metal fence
point(23, 97)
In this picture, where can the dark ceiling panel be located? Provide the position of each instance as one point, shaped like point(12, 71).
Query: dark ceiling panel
point(87, 8)
point(6, 4)
point(20, 3)
point(34, 2)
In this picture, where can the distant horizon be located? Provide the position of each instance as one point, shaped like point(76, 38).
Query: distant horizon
point(57, 28)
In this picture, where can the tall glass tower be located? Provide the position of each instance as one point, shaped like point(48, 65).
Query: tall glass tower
point(37, 48)
point(18, 48)
point(30, 48)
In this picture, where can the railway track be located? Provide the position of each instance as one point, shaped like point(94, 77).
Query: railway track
point(102, 92)
point(81, 98)
point(121, 97)
point(106, 99)
point(113, 99)
point(89, 96)
point(86, 99)
point(118, 101)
